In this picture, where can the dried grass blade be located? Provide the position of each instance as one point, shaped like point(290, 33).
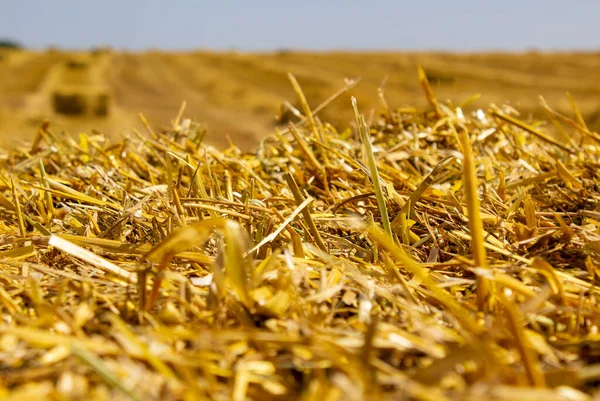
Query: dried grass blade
point(516, 323)
point(351, 83)
point(531, 180)
point(18, 253)
point(5, 203)
point(238, 262)
point(39, 136)
point(148, 127)
point(566, 176)
point(530, 129)
point(365, 138)
point(103, 371)
point(556, 121)
point(47, 194)
point(548, 271)
point(218, 211)
point(43, 338)
point(494, 248)
point(133, 249)
point(78, 196)
point(422, 187)
point(22, 230)
point(306, 108)
point(314, 231)
point(568, 121)
point(312, 160)
point(178, 241)
point(132, 343)
point(512, 283)
point(459, 313)
point(282, 226)
point(484, 292)
point(183, 239)
point(576, 111)
point(91, 258)
point(530, 216)
point(429, 94)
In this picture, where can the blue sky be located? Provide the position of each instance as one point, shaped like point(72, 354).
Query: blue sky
point(304, 24)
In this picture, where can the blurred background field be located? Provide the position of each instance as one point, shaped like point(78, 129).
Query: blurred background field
point(240, 94)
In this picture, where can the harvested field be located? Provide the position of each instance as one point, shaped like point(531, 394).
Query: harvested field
point(238, 94)
point(422, 253)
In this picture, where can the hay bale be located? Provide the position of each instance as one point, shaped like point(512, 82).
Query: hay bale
point(437, 77)
point(81, 101)
point(69, 102)
point(101, 105)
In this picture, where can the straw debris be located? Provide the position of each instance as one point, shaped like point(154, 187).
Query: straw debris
point(441, 254)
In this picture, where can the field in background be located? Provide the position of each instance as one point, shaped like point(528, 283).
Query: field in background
point(239, 94)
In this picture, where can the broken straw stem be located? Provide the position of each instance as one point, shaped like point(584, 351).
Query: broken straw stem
point(299, 198)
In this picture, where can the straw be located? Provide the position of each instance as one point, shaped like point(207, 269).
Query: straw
point(432, 254)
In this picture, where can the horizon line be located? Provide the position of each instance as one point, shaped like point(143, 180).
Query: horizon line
point(291, 49)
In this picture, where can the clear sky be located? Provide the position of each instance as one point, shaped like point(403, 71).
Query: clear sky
point(304, 24)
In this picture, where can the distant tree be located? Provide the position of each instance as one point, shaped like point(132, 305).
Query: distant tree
point(284, 51)
point(10, 44)
point(100, 50)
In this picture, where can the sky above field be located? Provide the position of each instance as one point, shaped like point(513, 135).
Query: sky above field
point(305, 24)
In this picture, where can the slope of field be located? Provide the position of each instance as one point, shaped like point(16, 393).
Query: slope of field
point(239, 94)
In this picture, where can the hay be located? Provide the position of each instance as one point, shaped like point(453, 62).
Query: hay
point(161, 268)
point(101, 105)
point(69, 103)
point(81, 101)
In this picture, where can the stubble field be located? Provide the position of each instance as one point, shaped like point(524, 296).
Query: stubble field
point(239, 94)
